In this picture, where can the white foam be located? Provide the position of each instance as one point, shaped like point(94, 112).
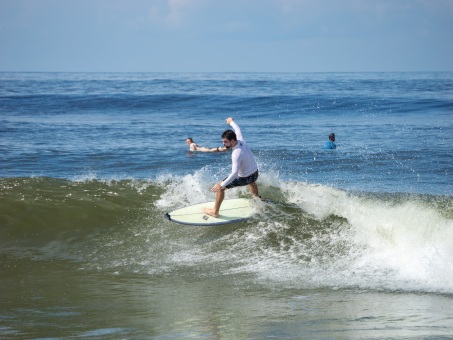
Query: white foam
point(396, 245)
point(388, 244)
point(190, 189)
point(374, 242)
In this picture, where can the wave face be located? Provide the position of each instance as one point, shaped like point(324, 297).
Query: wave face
point(310, 236)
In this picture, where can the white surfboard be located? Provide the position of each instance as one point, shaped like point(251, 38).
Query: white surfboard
point(231, 211)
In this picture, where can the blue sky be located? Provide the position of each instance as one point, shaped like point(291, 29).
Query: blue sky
point(226, 35)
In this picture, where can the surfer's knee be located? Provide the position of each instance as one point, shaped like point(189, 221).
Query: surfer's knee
point(253, 188)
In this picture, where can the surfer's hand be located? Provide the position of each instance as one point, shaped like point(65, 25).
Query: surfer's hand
point(229, 120)
point(216, 187)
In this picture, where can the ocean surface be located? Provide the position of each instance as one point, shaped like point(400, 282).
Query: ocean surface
point(356, 243)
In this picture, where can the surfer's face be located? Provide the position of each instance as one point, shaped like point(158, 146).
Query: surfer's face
point(226, 143)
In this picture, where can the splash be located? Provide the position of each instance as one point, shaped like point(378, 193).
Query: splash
point(338, 239)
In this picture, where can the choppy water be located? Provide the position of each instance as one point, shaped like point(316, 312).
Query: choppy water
point(356, 244)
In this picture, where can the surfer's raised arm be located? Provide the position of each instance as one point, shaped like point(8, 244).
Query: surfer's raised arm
point(230, 121)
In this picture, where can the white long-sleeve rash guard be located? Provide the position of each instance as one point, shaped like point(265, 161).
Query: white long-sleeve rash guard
point(243, 162)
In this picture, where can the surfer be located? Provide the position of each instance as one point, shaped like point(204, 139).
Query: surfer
point(244, 170)
point(195, 147)
point(330, 144)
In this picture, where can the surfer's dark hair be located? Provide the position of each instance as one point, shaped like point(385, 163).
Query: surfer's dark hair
point(230, 135)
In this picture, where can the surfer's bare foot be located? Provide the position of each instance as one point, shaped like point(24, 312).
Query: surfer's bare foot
point(211, 212)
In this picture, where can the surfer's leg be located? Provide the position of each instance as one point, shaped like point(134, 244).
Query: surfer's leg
point(219, 196)
point(253, 189)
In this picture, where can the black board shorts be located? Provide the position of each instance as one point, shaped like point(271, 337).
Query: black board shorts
point(241, 181)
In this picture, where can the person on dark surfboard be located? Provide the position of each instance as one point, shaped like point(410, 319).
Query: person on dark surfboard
point(244, 170)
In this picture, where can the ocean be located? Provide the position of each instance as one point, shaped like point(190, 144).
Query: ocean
point(355, 243)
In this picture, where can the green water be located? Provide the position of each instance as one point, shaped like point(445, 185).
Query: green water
point(57, 300)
